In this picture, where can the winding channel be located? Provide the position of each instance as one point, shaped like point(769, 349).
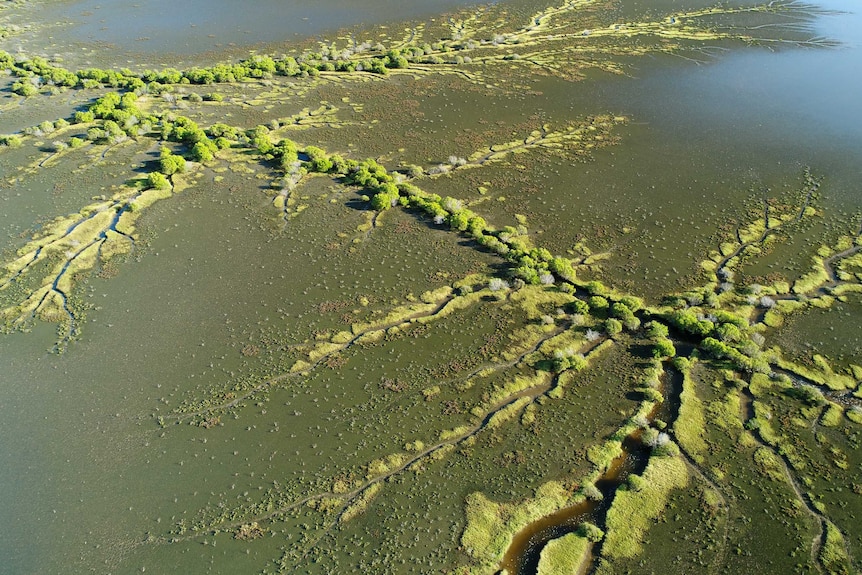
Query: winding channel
point(523, 554)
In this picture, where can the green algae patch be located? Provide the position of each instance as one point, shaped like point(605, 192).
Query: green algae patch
point(632, 512)
point(564, 555)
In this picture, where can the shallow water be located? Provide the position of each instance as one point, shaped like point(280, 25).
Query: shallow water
point(759, 109)
point(82, 465)
point(154, 27)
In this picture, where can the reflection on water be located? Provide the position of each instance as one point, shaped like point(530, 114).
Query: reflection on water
point(791, 107)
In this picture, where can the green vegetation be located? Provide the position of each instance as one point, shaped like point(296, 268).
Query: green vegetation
point(491, 526)
point(564, 555)
point(632, 511)
point(170, 164)
point(834, 554)
point(689, 426)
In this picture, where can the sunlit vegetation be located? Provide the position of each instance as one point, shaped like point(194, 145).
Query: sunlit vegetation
point(563, 555)
point(632, 510)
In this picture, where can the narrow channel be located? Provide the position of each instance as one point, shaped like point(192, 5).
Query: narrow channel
point(522, 556)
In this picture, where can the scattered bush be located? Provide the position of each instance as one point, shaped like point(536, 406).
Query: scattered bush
point(158, 181)
point(663, 348)
point(598, 303)
point(170, 164)
point(613, 326)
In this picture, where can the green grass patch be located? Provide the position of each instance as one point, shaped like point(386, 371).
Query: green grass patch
point(563, 556)
point(833, 554)
point(508, 412)
point(760, 384)
point(538, 300)
point(832, 415)
point(768, 463)
point(726, 413)
point(821, 374)
point(491, 526)
point(812, 280)
point(632, 512)
point(361, 504)
point(689, 426)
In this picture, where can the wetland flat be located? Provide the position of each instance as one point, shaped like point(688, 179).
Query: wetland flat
point(515, 287)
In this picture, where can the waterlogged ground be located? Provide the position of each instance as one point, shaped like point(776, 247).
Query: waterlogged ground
point(386, 301)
